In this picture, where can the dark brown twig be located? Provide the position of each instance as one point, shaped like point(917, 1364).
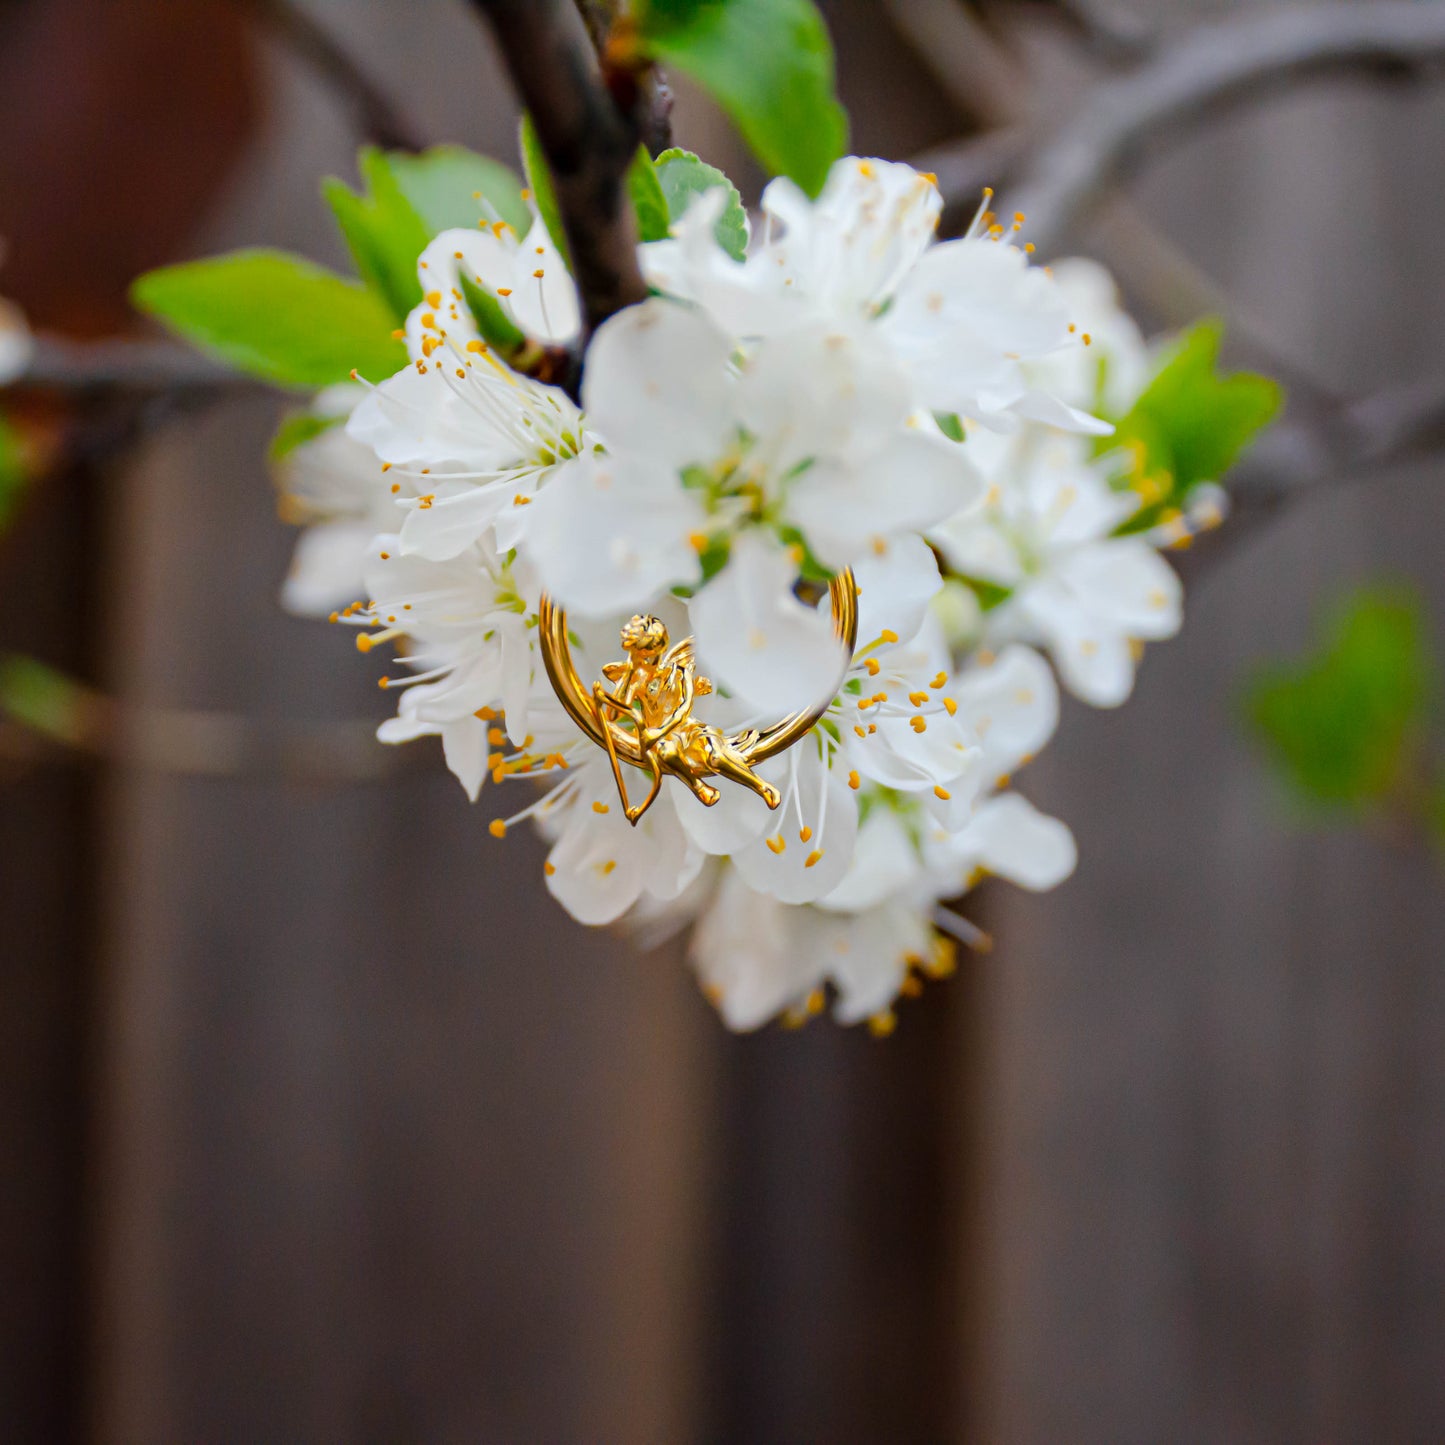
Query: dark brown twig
point(588, 141)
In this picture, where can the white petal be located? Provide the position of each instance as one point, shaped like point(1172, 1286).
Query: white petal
point(1011, 705)
point(464, 743)
point(885, 862)
point(908, 486)
point(1012, 839)
point(418, 419)
point(760, 641)
point(1093, 657)
point(608, 533)
point(1126, 583)
point(867, 956)
point(896, 584)
point(820, 803)
point(326, 568)
point(822, 390)
point(745, 955)
point(658, 382)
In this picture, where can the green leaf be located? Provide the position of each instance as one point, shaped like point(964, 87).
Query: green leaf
point(544, 194)
point(683, 177)
point(497, 328)
point(1191, 423)
point(450, 187)
point(13, 474)
point(1338, 724)
point(43, 700)
point(296, 429)
point(769, 64)
point(382, 229)
point(275, 316)
point(950, 424)
point(648, 201)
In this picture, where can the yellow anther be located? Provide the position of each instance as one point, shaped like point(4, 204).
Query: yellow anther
point(854, 781)
point(777, 844)
point(497, 828)
point(812, 857)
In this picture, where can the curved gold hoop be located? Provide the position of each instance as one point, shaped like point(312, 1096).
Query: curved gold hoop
point(581, 704)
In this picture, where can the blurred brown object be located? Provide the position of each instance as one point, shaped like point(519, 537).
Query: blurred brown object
point(159, 99)
point(119, 122)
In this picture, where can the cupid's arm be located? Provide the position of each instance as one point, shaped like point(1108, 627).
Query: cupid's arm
point(683, 708)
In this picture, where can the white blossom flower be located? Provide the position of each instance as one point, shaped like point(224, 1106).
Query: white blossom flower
point(811, 443)
point(525, 277)
point(1047, 538)
point(332, 488)
point(963, 319)
point(472, 654)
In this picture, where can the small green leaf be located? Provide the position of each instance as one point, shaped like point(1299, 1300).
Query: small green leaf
point(544, 194)
point(497, 328)
point(275, 316)
point(1191, 424)
point(989, 594)
point(296, 429)
point(683, 177)
point(450, 186)
point(950, 424)
point(769, 64)
point(1338, 724)
point(42, 699)
point(13, 475)
point(648, 201)
point(383, 230)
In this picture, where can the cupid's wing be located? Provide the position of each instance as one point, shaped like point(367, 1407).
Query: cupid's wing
point(680, 654)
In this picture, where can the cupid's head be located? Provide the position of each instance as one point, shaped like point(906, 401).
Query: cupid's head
point(644, 637)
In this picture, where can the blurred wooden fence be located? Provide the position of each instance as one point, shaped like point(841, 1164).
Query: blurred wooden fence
point(321, 1123)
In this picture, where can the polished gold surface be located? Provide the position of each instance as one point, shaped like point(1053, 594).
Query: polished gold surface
point(644, 718)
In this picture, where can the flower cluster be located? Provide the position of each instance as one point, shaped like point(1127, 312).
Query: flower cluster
point(853, 393)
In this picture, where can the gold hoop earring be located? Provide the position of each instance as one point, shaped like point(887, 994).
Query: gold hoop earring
point(644, 718)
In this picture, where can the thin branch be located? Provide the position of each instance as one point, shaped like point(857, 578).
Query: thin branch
point(92, 726)
point(1295, 461)
point(1210, 69)
point(589, 144)
point(121, 365)
point(376, 117)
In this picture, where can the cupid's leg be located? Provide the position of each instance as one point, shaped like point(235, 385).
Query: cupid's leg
point(729, 765)
point(600, 702)
point(655, 764)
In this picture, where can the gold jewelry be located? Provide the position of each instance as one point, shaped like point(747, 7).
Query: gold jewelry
point(645, 719)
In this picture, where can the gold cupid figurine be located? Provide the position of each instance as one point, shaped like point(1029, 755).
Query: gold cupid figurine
point(651, 705)
point(645, 717)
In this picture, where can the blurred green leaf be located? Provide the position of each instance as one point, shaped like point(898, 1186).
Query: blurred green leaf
point(42, 699)
point(683, 177)
point(275, 316)
point(769, 64)
point(383, 230)
point(1191, 423)
point(296, 429)
point(12, 472)
point(544, 194)
point(450, 186)
point(648, 201)
point(1338, 724)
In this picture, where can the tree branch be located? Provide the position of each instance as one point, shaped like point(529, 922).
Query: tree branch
point(1294, 461)
point(1210, 69)
point(376, 118)
point(589, 144)
point(121, 365)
